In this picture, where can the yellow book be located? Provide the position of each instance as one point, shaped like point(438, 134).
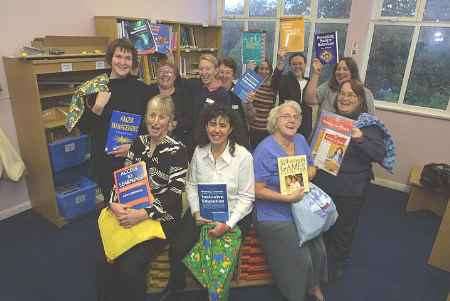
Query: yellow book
point(292, 34)
point(293, 173)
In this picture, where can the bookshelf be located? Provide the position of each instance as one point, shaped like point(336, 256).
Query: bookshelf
point(40, 88)
point(190, 41)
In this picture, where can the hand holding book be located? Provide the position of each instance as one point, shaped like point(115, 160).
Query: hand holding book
point(200, 220)
point(219, 230)
point(132, 217)
point(295, 196)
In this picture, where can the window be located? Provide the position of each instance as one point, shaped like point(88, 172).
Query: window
point(409, 58)
point(320, 16)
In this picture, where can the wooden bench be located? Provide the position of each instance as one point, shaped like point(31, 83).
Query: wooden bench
point(251, 270)
point(421, 198)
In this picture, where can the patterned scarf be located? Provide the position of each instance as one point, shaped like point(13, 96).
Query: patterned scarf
point(76, 110)
point(365, 120)
point(212, 261)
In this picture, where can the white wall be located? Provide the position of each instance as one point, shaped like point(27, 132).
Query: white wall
point(21, 22)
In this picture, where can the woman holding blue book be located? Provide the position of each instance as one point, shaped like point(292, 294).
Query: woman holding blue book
point(219, 158)
point(166, 163)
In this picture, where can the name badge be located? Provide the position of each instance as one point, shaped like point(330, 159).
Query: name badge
point(235, 107)
point(209, 101)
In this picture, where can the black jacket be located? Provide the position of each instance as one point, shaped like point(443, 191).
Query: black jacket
point(289, 89)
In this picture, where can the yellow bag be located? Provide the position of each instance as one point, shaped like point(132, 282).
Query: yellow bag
point(117, 239)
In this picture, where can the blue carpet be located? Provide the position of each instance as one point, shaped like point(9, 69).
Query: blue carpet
point(389, 262)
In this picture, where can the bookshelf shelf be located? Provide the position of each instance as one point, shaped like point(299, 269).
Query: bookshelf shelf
point(32, 83)
point(190, 41)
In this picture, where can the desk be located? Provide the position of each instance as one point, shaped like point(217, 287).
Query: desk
point(421, 198)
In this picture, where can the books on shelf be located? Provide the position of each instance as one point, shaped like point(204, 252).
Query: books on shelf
point(293, 173)
point(187, 39)
point(246, 84)
point(330, 141)
point(253, 46)
point(213, 202)
point(326, 45)
point(292, 34)
point(132, 186)
point(123, 129)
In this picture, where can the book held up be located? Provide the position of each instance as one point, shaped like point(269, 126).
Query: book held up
point(330, 141)
point(123, 129)
point(326, 45)
point(213, 202)
point(292, 34)
point(246, 84)
point(293, 174)
point(132, 186)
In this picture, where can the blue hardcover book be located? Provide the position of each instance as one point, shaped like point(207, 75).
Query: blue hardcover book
point(213, 202)
point(132, 186)
point(161, 37)
point(253, 46)
point(139, 33)
point(326, 45)
point(123, 129)
point(248, 82)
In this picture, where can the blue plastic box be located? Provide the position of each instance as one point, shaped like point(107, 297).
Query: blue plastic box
point(76, 199)
point(72, 174)
point(69, 152)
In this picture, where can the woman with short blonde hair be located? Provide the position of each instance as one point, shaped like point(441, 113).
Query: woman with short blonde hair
point(275, 112)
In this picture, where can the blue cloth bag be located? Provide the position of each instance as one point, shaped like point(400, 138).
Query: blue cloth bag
point(313, 214)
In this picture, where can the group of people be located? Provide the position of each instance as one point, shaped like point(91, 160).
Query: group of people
point(195, 131)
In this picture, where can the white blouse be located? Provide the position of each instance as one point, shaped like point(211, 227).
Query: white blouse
point(234, 171)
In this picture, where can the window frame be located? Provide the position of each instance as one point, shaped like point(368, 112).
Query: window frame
point(417, 23)
point(311, 19)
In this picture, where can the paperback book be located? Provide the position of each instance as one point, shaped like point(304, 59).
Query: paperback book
point(132, 186)
point(330, 141)
point(292, 34)
point(213, 202)
point(326, 45)
point(140, 34)
point(253, 46)
point(293, 174)
point(248, 83)
point(123, 129)
point(161, 36)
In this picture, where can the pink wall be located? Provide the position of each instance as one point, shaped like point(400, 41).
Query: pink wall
point(21, 22)
point(419, 140)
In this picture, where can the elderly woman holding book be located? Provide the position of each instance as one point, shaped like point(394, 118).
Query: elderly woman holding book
point(370, 142)
point(166, 163)
point(297, 271)
point(213, 245)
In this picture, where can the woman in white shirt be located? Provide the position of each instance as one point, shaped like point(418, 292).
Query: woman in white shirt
point(219, 158)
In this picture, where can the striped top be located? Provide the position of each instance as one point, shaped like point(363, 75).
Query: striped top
point(166, 169)
point(263, 102)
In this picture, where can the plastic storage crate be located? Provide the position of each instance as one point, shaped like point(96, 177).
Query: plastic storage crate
point(76, 199)
point(69, 152)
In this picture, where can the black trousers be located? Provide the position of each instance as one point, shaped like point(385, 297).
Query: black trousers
point(125, 279)
point(186, 237)
point(339, 238)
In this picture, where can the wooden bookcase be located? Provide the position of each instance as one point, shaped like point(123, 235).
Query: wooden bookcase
point(31, 95)
point(192, 40)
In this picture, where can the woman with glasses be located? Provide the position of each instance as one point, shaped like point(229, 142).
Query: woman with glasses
point(348, 188)
point(167, 76)
point(326, 93)
point(297, 271)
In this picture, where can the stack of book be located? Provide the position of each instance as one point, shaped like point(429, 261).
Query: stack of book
point(253, 265)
